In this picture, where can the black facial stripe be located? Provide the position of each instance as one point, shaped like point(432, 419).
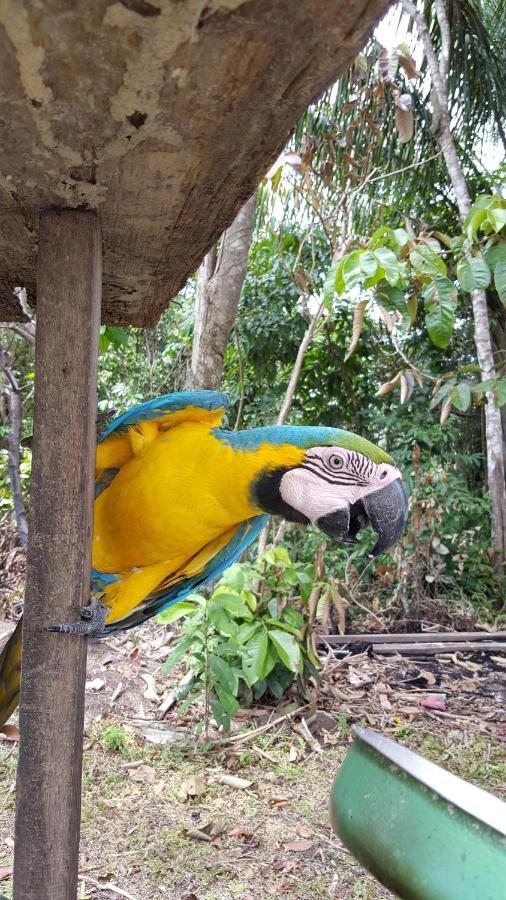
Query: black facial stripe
point(340, 477)
point(358, 467)
point(343, 478)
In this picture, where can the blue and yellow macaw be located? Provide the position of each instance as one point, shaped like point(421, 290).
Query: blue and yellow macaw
point(179, 498)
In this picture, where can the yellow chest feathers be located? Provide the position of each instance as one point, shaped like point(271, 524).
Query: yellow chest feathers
point(175, 491)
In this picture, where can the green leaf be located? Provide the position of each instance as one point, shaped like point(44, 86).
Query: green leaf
point(500, 392)
point(175, 612)
point(495, 254)
point(401, 238)
point(465, 275)
point(233, 604)
point(481, 272)
point(234, 578)
point(221, 620)
point(223, 673)
point(246, 632)
point(220, 714)
point(412, 307)
point(249, 599)
point(293, 616)
point(279, 680)
point(285, 626)
point(460, 396)
point(117, 336)
point(333, 284)
point(103, 342)
point(392, 267)
point(473, 272)
point(281, 555)
point(381, 236)
point(179, 650)
point(287, 648)
point(473, 222)
point(440, 296)
point(228, 701)
point(352, 272)
point(256, 664)
point(275, 179)
point(426, 261)
point(368, 264)
point(390, 297)
point(272, 607)
point(500, 280)
point(497, 219)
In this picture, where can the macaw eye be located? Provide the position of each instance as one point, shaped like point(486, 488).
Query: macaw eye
point(336, 462)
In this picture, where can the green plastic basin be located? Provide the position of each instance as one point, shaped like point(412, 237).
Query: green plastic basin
point(423, 832)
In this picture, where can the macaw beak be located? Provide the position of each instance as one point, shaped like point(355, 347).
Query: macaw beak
point(386, 510)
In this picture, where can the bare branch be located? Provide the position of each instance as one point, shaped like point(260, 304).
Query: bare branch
point(13, 444)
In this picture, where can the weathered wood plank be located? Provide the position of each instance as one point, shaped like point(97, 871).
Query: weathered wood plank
point(163, 116)
point(59, 557)
point(335, 640)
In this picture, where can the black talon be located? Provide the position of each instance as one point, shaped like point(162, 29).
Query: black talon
point(94, 617)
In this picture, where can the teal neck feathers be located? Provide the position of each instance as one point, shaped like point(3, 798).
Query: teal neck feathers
point(303, 436)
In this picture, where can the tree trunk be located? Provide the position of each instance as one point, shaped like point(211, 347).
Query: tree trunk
point(220, 280)
point(442, 129)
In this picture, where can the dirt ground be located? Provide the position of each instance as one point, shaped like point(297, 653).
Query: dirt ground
point(169, 816)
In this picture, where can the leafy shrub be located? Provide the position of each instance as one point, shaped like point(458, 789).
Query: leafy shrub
point(245, 640)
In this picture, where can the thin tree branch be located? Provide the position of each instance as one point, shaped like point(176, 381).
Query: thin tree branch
point(241, 378)
point(444, 27)
point(13, 444)
point(26, 331)
point(301, 352)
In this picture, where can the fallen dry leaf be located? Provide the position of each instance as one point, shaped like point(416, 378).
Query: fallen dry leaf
point(298, 846)
point(142, 773)
point(160, 788)
point(10, 733)
point(5, 872)
point(198, 835)
point(150, 693)
point(194, 786)
point(208, 832)
point(232, 781)
point(96, 685)
point(240, 831)
point(303, 832)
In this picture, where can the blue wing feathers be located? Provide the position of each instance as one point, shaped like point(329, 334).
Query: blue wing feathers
point(160, 406)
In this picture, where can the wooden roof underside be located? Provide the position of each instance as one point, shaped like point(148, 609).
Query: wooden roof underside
point(163, 115)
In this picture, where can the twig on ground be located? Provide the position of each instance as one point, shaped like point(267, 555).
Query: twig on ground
point(107, 886)
point(240, 738)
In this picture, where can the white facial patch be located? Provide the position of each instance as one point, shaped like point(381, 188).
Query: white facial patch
point(330, 478)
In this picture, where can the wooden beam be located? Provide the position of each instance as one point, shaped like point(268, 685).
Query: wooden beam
point(59, 555)
point(431, 637)
point(437, 649)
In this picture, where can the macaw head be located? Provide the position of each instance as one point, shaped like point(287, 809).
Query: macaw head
point(341, 484)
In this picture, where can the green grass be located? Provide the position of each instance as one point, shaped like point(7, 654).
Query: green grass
point(135, 833)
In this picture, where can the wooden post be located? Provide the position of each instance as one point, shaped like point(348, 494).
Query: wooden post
point(59, 554)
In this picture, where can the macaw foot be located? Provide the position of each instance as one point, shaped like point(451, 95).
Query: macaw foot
point(92, 624)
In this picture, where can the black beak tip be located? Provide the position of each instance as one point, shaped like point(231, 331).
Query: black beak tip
point(387, 511)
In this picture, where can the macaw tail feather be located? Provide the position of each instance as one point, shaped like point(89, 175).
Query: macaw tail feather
point(10, 674)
